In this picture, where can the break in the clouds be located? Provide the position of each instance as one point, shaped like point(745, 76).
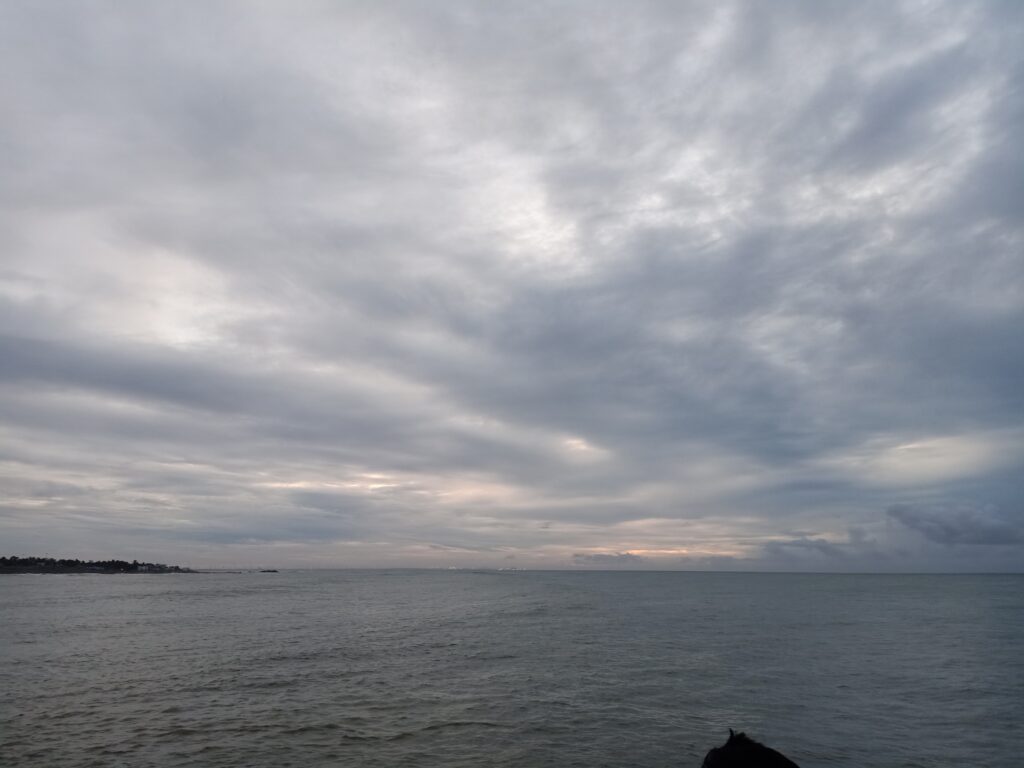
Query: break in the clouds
point(620, 284)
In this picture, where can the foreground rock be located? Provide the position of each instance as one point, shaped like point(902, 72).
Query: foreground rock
point(740, 751)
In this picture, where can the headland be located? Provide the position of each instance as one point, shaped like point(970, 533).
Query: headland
point(17, 564)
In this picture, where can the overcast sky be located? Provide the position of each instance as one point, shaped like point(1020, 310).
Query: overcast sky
point(561, 284)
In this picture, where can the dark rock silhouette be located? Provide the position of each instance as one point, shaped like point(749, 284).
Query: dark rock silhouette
point(740, 751)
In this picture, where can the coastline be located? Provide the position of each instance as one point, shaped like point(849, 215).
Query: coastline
point(22, 565)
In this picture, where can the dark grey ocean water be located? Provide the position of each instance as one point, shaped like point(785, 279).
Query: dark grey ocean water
point(435, 668)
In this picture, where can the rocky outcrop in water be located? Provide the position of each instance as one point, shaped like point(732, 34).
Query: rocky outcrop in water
point(741, 751)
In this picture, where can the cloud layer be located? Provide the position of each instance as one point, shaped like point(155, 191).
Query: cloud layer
point(585, 285)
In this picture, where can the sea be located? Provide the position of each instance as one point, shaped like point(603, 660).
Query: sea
point(508, 668)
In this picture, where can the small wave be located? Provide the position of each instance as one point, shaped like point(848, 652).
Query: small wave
point(445, 725)
point(464, 724)
point(311, 728)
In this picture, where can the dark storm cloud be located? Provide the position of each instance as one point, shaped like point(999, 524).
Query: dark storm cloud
point(701, 284)
point(962, 524)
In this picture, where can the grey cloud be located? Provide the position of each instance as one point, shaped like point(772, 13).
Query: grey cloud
point(895, 118)
point(822, 550)
point(328, 502)
point(616, 560)
point(961, 524)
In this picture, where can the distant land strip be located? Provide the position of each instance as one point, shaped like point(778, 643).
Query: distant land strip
point(64, 565)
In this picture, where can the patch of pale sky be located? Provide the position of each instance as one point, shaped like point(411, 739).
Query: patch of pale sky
point(891, 461)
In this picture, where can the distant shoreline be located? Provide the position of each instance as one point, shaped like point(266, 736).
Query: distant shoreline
point(21, 565)
point(70, 571)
